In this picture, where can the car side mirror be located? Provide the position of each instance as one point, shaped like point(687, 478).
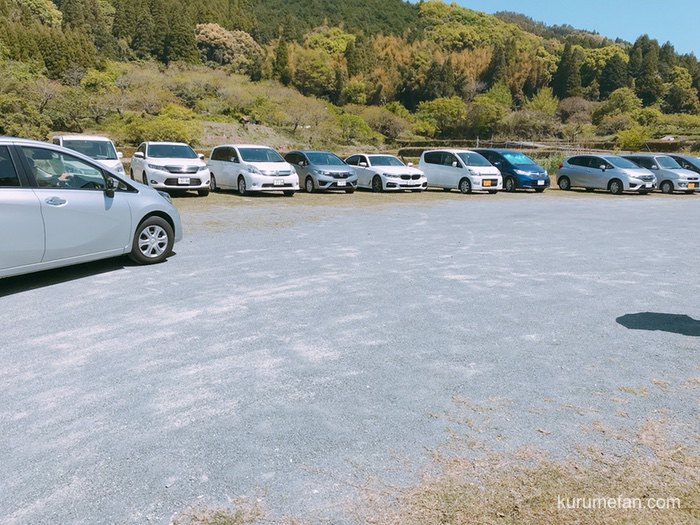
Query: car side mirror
point(654, 167)
point(454, 164)
point(302, 163)
point(363, 164)
point(410, 164)
point(112, 186)
point(201, 156)
point(139, 155)
point(120, 155)
point(602, 167)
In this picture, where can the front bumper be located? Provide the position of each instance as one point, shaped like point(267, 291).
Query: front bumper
point(397, 184)
point(163, 180)
point(687, 185)
point(273, 183)
point(487, 184)
point(527, 183)
point(325, 182)
point(637, 185)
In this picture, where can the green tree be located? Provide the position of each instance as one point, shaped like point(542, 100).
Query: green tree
point(544, 102)
point(613, 76)
point(181, 44)
point(566, 81)
point(280, 66)
point(447, 115)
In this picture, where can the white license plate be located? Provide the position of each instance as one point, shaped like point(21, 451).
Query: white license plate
point(278, 182)
point(342, 183)
point(647, 185)
point(183, 180)
point(540, 183)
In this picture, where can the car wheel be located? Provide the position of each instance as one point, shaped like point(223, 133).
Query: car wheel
point(564, 183)
point(509, 184)
point(465, 185)
point(153, 241)
point(212, 183)
point(349, 190)
point(666, 186)
point(616, 187)
point(377, 184)
point(539, 190)
point(288, 193)
point(241, 186)
point(202, 193)
point(309, 185)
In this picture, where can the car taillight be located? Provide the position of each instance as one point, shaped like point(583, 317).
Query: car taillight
point(561, 165)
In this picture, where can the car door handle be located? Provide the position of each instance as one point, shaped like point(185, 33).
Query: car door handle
point(55, 201)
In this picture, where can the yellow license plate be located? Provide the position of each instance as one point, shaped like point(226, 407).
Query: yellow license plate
point(487, 183)
point(691, 185)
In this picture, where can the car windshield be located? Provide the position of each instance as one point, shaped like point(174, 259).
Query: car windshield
point(385, 160)
point(260, 155)
point(323, 158)
point(473, 159)
point(519, 159)
point(667, 163)
point(622, 163)
point(96, 149)
point(171, 151)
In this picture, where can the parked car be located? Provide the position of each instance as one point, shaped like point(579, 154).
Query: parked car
point(170, 166)
point(322, 170)
point(99, 148)
point(59, 207)
point(670, 175)
point(687, 162)
point(464, 170)
point(379, 172)
point(517, 169)
point(251, 168)
point(604, 172)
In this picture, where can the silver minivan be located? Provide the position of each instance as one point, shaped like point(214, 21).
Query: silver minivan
point(670, 175)
point(604, 172)
point(59, 207)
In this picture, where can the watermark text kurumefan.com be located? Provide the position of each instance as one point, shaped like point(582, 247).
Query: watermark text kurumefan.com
point(619, 502)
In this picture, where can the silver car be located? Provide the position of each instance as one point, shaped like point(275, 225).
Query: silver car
point(604, 172)
point(59, 207)
point(671, 176)
point(322, 170)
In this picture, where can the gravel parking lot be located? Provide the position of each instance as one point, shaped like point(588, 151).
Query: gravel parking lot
point(295, 346)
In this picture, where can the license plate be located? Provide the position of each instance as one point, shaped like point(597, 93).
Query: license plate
point(647, 185)
point(278, 182)
point(691, 185)
point(342, 183)
point(540, 183)
point(487, 183)
point(183, 180)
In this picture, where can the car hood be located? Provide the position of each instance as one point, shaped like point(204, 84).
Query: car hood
point(398, 170)
point(267, 167)
point(111, 164)
point(333, 168)
point(530, 169)
point(485, 170)
point(680, 173)
point(174, 161)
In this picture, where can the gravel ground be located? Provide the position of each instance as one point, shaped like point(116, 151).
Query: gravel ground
point(295, 346)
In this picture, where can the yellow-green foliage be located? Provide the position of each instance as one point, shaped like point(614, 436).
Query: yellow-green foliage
point(632, 139)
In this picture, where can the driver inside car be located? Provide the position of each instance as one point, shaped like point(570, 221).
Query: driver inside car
point(49, 170)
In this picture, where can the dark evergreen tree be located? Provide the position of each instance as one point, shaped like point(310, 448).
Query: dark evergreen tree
point(613, 76)
point(502, 65)
point(566, 81)
point(667, 60)
point(280, 66)
point(181, 44)
point(359, 56)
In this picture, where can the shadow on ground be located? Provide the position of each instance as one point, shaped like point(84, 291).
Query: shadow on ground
point(674, 323)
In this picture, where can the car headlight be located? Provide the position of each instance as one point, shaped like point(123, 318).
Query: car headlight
point(255, 171)
point(202, 168)
point(156, 167)
point(166, 196)
point(390, 175)
point(521, 172)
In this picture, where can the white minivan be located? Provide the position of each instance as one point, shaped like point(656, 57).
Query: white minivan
point(464, 170)
point(251, 168)
point(99, 148)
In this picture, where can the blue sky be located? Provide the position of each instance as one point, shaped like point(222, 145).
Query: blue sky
point(677, 21)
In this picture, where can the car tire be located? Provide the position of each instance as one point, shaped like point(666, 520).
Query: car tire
point(242, 190)
point(349, 190)
point(465, 186)
point(564, 183)
point(203, 193)
point(377, 186)
point(616, 187)
point(289, 193)
point(309, 185)
point(666, 187)
point(539, 190)
point(510, 185)
point(153, 241)
point(212, 183)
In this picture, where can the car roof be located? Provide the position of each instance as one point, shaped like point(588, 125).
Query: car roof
point(311, 151)
point(83, 137)
point(451, 150)
point(497, 150)
point(244, 146)
point(166, 143)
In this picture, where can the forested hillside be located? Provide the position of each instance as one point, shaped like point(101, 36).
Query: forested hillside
point(362, 71)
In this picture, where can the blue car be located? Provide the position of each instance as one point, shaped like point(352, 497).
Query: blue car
point(517, 169)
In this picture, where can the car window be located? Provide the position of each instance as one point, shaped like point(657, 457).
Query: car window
point(96, 149)
point(643, 162)
point(578, 161)
point(8, 173)
point(432, 157)
point(622, 162)
point(324, 158)
point(260, 155)
point(473, 159)
point(53, 169)
point(142, 148)
point(171, 151)
point(448, 159)
point(519, 159)
point(667, 162)
point(217, 154)
point(597, 162)
point(385, 160)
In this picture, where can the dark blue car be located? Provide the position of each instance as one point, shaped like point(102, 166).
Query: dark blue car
point(518, 170)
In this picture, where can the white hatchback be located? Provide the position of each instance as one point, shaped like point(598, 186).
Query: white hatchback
point(251, 168)
point(379, 172)
point(460, 169)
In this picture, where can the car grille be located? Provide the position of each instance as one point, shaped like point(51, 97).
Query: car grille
point(342, 175)
point(173, 182)
point(182, 169)
point(409, 177)
point(647, 178)
point(284, 173)
point(268, 185)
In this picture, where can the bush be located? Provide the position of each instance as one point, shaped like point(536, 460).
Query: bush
point(632, 139)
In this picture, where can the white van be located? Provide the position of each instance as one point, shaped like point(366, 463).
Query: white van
point(99, 148)
point(464, 170)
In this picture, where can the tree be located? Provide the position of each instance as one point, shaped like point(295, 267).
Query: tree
point(280, 66)
point(622, 101)
point(682, 97)
point(181, 44)
point(447, 115)
point(613, 76)
point(544, 102)
point(566, 81)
